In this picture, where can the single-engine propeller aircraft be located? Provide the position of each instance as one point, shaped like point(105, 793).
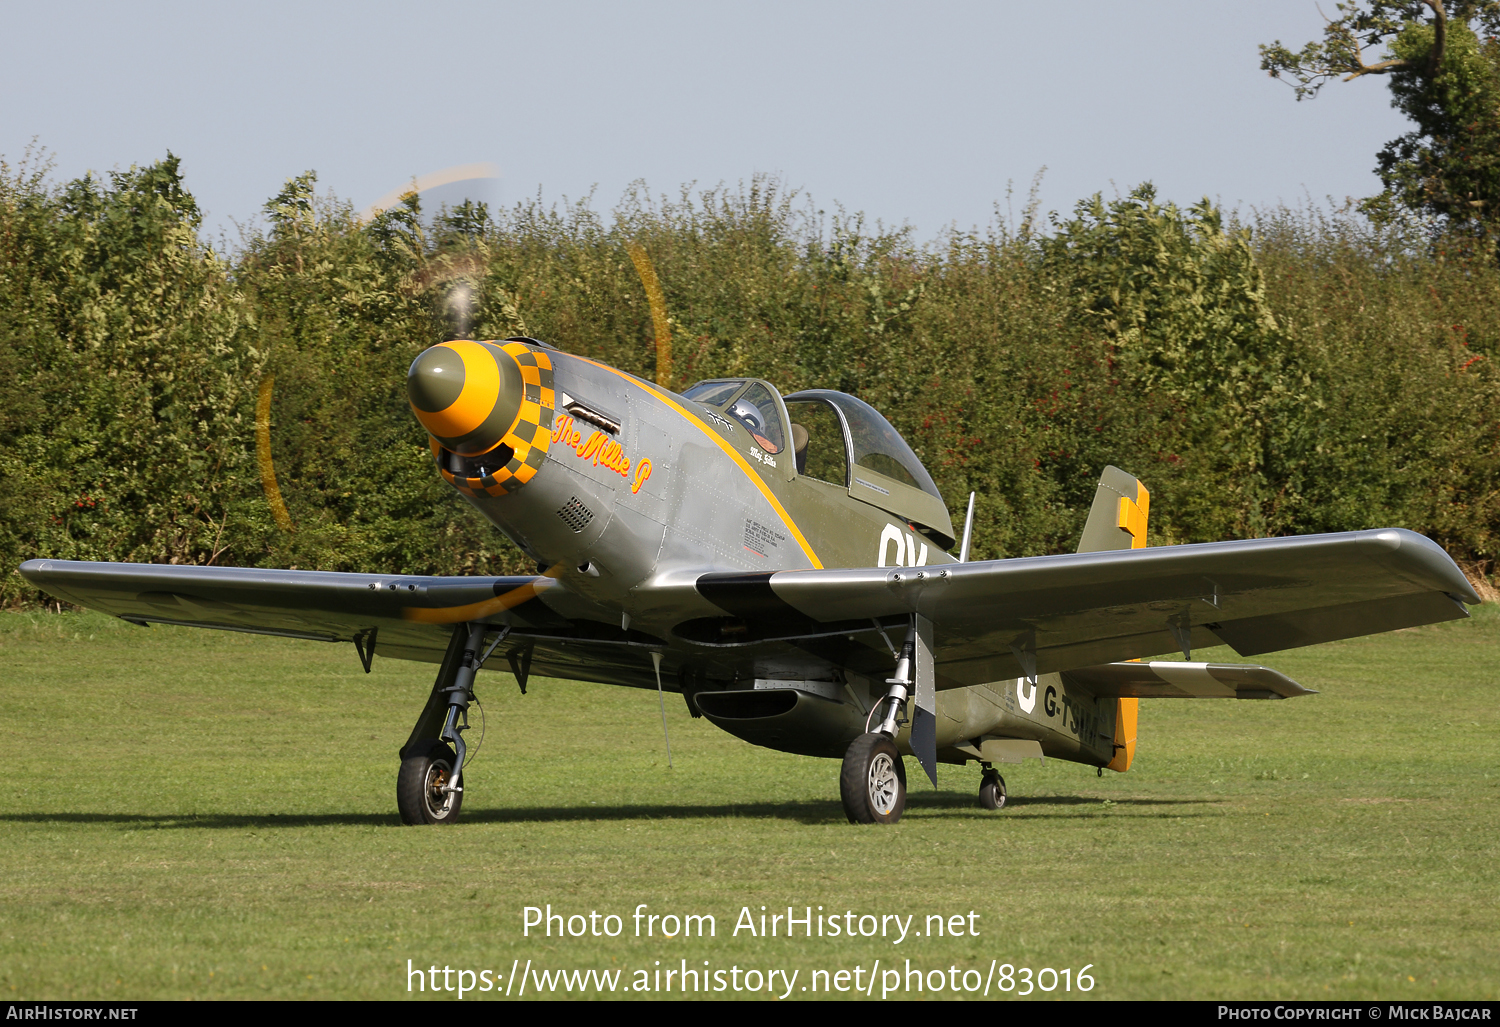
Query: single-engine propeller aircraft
point(781, 562)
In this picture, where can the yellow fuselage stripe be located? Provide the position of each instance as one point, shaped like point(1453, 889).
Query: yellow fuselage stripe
point(719, 440)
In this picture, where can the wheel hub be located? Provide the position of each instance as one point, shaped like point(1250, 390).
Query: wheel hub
point(883, 784)
point(438, 801)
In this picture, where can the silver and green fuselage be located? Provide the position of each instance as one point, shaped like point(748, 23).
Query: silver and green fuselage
point(653, 516)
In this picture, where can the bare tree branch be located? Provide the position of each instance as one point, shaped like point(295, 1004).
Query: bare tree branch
point(1341, 52)
point(1434, 59)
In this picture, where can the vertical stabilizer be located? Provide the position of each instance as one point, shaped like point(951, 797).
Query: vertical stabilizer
point(1117, 520)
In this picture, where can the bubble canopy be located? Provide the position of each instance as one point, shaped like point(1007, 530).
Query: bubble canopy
point(870, 440)
point(756, 406)
point(873, 442)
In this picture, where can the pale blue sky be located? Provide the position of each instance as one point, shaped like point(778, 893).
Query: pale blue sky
point(914, 113)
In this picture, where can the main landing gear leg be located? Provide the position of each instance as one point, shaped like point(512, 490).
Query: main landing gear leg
point(429, 786)
point(872, 782)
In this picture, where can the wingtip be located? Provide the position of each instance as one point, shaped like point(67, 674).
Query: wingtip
point(1453, 580)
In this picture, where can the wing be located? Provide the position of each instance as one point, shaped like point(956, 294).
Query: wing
point(402, 616)
point(1066, 612)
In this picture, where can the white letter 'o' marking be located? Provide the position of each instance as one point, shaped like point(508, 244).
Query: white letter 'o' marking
point(1028, 702)
point(890, 533)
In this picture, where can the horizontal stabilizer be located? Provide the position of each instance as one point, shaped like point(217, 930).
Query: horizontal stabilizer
point(1163, 679)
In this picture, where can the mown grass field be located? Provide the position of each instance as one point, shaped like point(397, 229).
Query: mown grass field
point(205, 815)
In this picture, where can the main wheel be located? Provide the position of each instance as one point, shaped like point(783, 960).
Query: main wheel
point(992, 791)
point(872, 782)
point(419, 788)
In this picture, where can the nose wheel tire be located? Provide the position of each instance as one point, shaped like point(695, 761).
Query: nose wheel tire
point(872, 783)
point(419, 784)
point(992, 792)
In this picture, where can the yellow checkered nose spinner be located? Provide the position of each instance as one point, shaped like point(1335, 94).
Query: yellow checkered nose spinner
point(488, 407)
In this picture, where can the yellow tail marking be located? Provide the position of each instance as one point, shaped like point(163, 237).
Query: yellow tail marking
point(1131, 518)
point(1125, 720)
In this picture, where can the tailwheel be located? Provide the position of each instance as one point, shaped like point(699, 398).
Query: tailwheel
point(420, 785)
point(992, 790)
point(872, 783)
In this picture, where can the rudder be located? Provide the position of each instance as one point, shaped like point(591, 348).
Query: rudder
point(1117, 520)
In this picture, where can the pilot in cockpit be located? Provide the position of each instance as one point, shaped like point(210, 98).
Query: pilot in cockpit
point(757, 411)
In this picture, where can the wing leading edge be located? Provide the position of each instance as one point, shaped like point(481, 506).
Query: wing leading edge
point(1061, 613)
point(408, 617)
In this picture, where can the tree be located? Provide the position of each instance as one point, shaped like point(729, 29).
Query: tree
point(1183, 304)
point(1443, 65)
